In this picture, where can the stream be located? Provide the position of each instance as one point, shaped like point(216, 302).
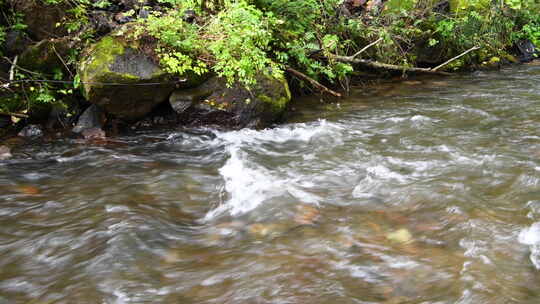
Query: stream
point(420, 191)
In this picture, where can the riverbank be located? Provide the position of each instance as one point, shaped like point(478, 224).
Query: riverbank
point(232, 64)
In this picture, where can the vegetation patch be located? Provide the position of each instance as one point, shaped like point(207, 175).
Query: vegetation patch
point(325, 42)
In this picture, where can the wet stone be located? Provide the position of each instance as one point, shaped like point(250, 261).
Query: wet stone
point(5, 153)
point(31, 131)
point(225, 231)
point(94, 133)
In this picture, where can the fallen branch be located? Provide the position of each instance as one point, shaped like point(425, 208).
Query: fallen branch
point(14, 114)
point(313, 82)
point(457, 57)
point(386, 66)
point(365, 48)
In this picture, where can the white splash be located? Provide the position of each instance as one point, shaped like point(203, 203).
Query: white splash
point(248, 184)
point(531, 236)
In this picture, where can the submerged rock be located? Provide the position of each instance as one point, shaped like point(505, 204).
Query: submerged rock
point(123, 80)
point(31, 131)
point(5, 153)
point(306, 214)
point(93, 133)
point(237, 106)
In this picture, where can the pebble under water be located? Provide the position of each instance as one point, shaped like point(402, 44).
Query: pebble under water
point(423, 191)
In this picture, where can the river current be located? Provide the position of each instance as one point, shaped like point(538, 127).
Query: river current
point(422, 191)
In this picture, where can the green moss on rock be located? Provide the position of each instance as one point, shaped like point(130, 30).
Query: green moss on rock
point(236, 106)
point(111, 74)
point(280, 94)
point(102, 54)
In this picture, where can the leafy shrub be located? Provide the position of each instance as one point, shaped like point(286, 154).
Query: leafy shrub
point(240, 38)
point(235, 42)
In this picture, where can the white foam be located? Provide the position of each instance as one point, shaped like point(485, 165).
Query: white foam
point(531, 236)
point(298, 132)
point(248, 185)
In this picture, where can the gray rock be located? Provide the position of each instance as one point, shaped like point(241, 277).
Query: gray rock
point(31, 131)
point(92, 117)
point(102, 22)
point(5, 153)
point(143, 13)
point(181, 100)
point(237, 106)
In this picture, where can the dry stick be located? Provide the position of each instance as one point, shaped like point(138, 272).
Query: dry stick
point(313, 82)
point(12, 69)
point(386, 66)
point(474, 48)
point(365, 48)
point(14, 114)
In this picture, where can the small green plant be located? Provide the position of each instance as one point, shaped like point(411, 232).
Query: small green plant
point(241, 37)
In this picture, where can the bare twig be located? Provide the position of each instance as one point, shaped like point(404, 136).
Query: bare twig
point(457, 57)
point(386, 66)
point(12, 69)
point(19, 67)
point(366, 47)
point(63, 62)
point(313, 82)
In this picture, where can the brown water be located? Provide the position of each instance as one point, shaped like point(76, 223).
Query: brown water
point(426, 191)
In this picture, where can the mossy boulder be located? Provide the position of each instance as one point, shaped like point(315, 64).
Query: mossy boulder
point(123, 80)
point(214, 102)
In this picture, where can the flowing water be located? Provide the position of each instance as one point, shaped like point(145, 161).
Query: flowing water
point(424, 191)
